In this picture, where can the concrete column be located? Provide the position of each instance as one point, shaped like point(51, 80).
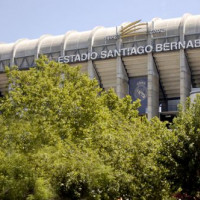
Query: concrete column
point(122, 86)
point(122, 79)
point(92, 73)
point(153, 82)
point(153, 88)
point(185, 73)
point(185, 78)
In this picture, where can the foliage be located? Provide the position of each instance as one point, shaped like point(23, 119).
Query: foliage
point(181, 152)
point(62, 137)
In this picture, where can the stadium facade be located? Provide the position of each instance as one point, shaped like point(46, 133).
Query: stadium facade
point(157, 62)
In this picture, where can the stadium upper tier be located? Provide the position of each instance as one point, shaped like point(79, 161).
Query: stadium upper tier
point(164, 54)
point(74, 42)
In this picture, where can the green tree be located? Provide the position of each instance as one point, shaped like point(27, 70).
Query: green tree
point(62, 137)
point(181, 152)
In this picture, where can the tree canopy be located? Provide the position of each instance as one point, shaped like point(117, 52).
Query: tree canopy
point(181, 152)
point(62, 137)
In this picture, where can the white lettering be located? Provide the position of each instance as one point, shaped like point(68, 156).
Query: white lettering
point(148, 49)
point(116, 53)
point(159, 47)
point(77, 58)
point(133, 51)
point(140, 50)
point(84, 57)
point(190, 44)
point(72, 58)
point(66, 59)
point(110, 54)
point(166, 46)
point(128, 51)
point(197, 43)
point(103, 54)
point(123, 51)
point(174, 46)
point(181, 45)
point(60, 59)
point(93, 55)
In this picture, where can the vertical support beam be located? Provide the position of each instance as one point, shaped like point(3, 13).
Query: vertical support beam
point(185, 73)
point(92, 73)
point(185, 78)
point(122, 77)
point(153, 82)
point(153, 88)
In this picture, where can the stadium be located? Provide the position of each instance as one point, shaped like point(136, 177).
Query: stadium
point(157, 61)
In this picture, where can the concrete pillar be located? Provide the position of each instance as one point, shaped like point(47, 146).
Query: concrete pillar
point(122, 79)
point(122, 86)
point(92, 73)
point(185, 73)
point(153, 88)
point(185, 78)
point(153, 82)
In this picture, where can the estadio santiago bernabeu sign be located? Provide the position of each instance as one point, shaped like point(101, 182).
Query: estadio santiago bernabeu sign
point(106, 54)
